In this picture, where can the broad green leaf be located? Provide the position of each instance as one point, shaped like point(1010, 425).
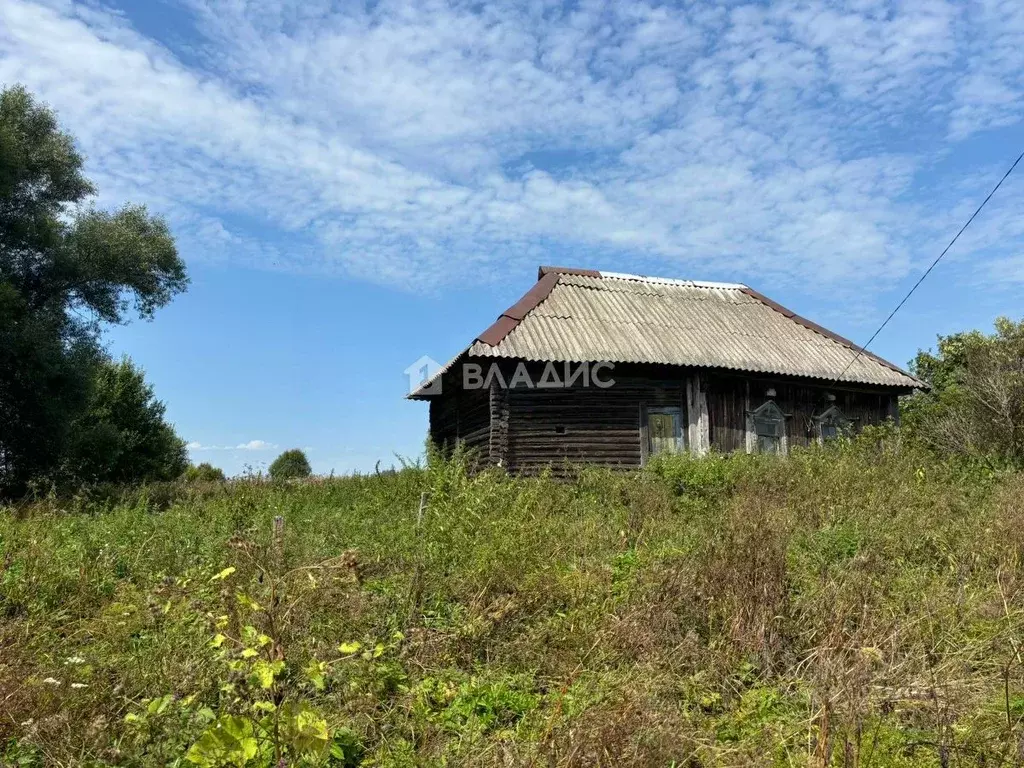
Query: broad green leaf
point(247, 602)
point(224, 574)
point(352, 647)
point(264, 672)
point(250, 634)
point(229, 741)
point(315, 672)
point(304, 728)
point(157, 706)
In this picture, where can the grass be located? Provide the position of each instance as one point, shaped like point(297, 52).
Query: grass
point(856, 605)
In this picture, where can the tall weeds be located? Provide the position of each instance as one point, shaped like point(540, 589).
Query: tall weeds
point(854, 605)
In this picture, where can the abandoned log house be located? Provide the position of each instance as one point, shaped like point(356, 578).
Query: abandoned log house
point(607, 368)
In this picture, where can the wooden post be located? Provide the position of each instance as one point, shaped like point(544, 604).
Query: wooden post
point(278, 540)
point(750, 438)
point(644, 435)
point(419, 513)
point(892, 410)
point(498, 438)
point(415, 584)
point(698, 428)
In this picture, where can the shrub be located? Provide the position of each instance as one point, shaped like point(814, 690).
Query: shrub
point(203, 473)
point(976, 405)
point(290, 465)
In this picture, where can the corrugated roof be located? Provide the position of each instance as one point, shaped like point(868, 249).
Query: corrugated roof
point(588, 316)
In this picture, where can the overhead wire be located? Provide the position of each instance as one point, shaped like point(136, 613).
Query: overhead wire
point(861, 350)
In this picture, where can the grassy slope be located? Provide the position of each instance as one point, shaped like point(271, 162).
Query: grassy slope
point(850, 606)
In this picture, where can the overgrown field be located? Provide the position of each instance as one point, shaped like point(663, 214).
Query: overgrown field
point(858, 605)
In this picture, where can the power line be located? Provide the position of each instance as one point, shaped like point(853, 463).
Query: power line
point(930, 268)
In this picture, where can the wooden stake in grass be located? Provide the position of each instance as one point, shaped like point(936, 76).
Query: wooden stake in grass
point(419, 513)
point(278, 540)
point(414, 586)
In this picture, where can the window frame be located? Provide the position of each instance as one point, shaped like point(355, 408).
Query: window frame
point(682, 443)
point(753, 438)
point(832, 415)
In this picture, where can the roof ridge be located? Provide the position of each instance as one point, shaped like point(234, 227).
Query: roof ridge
point(673, 281)
point(547, 270)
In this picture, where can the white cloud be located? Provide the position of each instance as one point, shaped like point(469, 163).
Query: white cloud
point(251, 445)
point(421, 143)
point(256, 445)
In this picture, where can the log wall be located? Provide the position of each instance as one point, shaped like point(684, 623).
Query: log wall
point(459, 415)
point(592, 426)
point(525, 429)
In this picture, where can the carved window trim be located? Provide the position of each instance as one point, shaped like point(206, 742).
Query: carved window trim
point(831, 424)
point(758, 433)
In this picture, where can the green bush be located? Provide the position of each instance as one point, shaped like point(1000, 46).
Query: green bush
point(290, 465)
point(203, 473)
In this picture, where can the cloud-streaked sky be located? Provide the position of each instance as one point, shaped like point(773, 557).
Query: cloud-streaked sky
point(351, 169)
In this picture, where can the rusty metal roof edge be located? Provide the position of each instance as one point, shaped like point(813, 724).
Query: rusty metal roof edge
point(514, 315)
point(546, 270)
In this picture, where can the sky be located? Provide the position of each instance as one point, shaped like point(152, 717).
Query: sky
point(356, 185)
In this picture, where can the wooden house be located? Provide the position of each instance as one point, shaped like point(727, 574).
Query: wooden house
point(607, 368)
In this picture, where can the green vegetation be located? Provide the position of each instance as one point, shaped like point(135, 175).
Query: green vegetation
point(976, 406)
point(122, 436)
point(65, 270)
point(204, 473)
point(858, 604)
point(290, 465)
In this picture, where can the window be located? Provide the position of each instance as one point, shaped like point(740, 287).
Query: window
point(664, 430)
point(831, 424)
point(768, 426)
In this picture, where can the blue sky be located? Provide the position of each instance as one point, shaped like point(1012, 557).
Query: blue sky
point(356, 185)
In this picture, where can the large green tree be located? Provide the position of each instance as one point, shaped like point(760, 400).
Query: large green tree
point(976, 404)
point(66, 268)
point(122, 436)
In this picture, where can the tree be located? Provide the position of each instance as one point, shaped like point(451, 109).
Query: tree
point(976, 405)
point(65, 270)
point(122, 436)
point(290, 465)
point(204, 473)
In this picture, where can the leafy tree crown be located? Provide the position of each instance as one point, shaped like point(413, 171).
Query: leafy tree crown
point(66, 269)
point(290, 465)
